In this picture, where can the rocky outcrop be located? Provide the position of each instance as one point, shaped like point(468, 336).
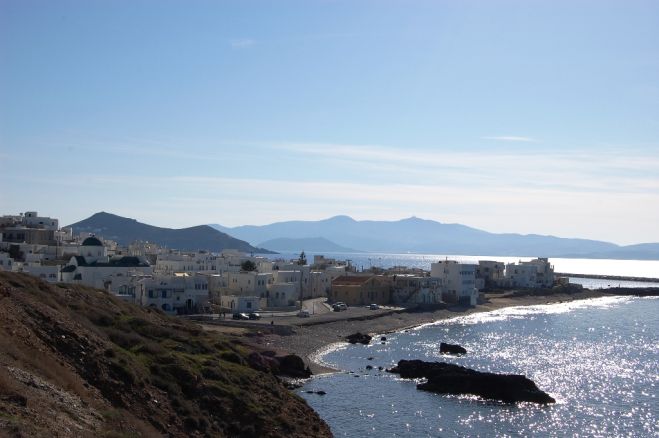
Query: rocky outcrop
point(445, 378)
point(445, 348)
point(292, 365)
point(359, 338)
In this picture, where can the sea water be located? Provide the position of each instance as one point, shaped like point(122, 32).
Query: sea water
point(598, 358)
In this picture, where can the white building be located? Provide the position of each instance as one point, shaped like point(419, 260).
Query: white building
point(458, 281)
point(49, 273)
point(248, 283)
point(177, 294)
point(6, 263)
point(415, 289)
point(241, 303)
point(32, 219)
point(491, 272)
point(94, 268)
point(536, 273)
point(283, 295)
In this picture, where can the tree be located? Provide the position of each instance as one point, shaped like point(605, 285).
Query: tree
point(248, 266)
point(303, 259)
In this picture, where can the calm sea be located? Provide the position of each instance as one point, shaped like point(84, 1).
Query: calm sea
point(621, 268)
point(599, 358)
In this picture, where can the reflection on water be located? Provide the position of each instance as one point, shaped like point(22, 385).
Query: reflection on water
point(599, 359)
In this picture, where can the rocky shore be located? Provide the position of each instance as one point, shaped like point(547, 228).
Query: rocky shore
point(308, 340)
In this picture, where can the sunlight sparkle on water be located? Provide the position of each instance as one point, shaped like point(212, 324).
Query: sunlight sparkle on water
point(598, 358)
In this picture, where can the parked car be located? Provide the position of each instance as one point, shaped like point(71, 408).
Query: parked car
point(240, 316)
point(373, 307)
point(304, 313)
point(337, 307)
point(254, 315)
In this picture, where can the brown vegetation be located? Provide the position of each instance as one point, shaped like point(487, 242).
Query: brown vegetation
point(76, 361)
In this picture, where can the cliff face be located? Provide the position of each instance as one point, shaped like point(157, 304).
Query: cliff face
point(76, 361)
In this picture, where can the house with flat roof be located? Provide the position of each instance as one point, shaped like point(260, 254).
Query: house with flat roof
point(361, 290)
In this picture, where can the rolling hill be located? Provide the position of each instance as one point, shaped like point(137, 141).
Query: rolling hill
point(124, 231)
point(430, 237)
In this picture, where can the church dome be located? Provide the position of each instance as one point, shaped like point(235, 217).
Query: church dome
point(91, 241)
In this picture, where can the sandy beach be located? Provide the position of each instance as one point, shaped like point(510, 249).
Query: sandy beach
point(306, 340)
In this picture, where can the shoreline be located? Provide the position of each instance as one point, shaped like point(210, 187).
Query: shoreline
point(308, 341)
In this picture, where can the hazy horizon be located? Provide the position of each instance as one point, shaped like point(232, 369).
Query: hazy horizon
point(506, 116)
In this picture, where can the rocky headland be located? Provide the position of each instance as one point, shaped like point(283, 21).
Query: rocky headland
point(76, 361)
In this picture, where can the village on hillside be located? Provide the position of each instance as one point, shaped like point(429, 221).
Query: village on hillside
point(185, 282)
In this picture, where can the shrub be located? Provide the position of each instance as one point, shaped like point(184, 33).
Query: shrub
point(123, 339)
point(232, 357)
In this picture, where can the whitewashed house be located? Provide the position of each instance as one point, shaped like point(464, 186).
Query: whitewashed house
point(174, 294)
point(536, 273)
point(415, 289)
point(94, 268)
point(249, 283)
point(49, 273)
point(283, 295)
point(458, 281)
point(241, 304)
point(492, 273)
point(6, 262)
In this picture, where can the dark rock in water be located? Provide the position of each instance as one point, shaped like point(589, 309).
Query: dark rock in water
point(369, 367)
point(383, 338)
point(360, 338)
point(445, 348)
point(445, 378)
point(380, 368)
point(370, 358)
point(383, 343)
point(292, 365)
point(309, 392)
point(321, 392)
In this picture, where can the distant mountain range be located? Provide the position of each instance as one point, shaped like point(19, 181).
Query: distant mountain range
point(430, 237)
point(310, 244)
point(124, 231)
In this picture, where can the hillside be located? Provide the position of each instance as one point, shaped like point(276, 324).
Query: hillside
point(311, 244)
point(76, 361)
point(431, 237)
point(124, 231)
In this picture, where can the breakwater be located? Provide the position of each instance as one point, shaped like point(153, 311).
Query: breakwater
point(609, 277)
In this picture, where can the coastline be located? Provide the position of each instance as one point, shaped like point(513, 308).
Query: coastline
point(307, 341)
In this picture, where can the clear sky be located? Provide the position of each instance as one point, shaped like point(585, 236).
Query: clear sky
point(510, 116)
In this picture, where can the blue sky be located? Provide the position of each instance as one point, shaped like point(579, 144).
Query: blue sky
point(510, 116)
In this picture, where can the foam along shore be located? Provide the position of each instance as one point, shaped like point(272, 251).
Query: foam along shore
point(308, 341)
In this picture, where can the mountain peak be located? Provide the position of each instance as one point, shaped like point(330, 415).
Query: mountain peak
point(340, 218)
point(125, 230)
